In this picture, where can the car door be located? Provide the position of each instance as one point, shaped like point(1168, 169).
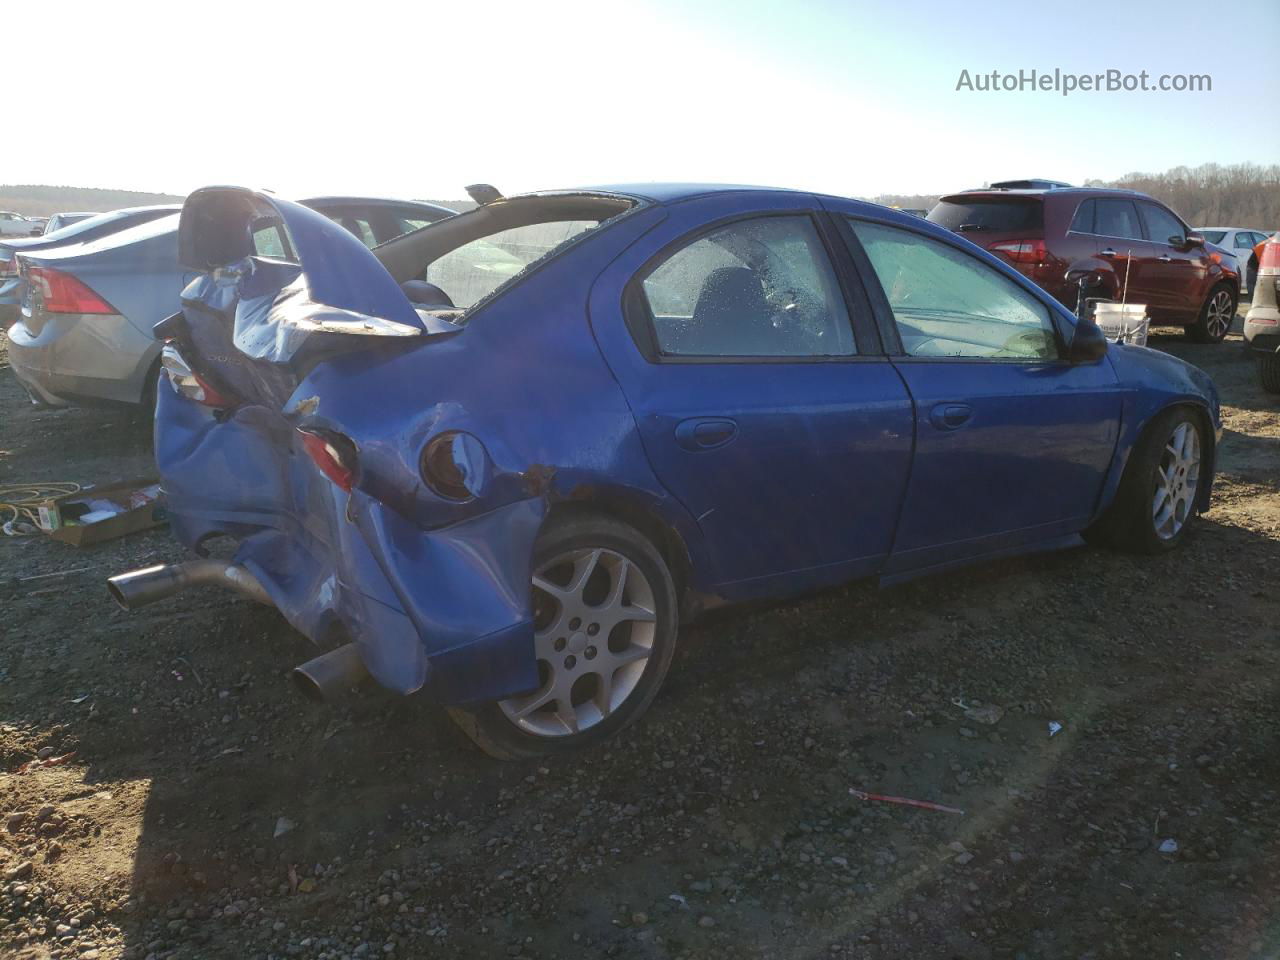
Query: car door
point(1012, 442)
point(1122, 243)
point(1177, 272)
point(761, 396)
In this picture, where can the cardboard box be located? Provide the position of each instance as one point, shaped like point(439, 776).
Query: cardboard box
point(112, 509)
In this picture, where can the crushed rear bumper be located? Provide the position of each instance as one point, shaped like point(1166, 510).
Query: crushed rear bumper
point(445, 611)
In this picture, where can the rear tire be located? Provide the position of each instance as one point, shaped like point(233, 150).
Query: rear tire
point(605, 621)
point(1163, 461)
point(1269, 372)
point(1216, 315)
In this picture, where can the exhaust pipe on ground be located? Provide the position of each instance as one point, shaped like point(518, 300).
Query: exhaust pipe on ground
point(137, 588)
point(330, 673)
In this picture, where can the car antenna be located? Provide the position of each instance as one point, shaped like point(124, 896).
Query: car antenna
point(483, 193)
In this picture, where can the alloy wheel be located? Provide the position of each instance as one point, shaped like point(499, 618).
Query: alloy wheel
point(594, 629)
point(1176, 480)
point(1219, 314)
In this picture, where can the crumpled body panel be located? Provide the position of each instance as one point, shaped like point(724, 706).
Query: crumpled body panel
point(444, 610)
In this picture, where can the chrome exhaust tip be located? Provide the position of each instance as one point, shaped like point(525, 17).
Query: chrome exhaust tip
point(137, 588)
point(330, 673)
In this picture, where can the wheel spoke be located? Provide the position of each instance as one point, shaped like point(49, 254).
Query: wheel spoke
point(567, 714)
point(583, 568)
point(604, 692)
point(541, 698)
point(620, 571)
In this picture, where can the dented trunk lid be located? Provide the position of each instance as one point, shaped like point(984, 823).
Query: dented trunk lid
point(279, 288)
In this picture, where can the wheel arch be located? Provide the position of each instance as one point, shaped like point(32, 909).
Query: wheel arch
point(635, 510)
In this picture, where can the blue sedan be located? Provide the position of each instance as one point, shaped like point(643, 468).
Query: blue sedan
point(500, 459)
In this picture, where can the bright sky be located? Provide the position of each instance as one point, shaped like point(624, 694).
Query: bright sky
point(417, 99)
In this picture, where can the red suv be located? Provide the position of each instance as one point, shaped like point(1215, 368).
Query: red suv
point(1056, 234)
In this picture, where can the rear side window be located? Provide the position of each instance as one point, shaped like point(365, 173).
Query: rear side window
point(1163, 226)
point(948, 304)
point(1215, 236)
point(997, 215)
point(1083, 220)
point(1117, 218)
point(755, 288)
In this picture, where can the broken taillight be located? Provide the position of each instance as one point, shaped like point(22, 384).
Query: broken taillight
point(333, 453)
point(62, 293)
point(187, 382)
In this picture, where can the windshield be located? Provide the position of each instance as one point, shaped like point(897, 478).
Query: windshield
point(98, 223)
point(995, 215)
point(474, 270)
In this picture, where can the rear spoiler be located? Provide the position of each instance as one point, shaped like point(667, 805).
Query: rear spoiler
point(217, 230)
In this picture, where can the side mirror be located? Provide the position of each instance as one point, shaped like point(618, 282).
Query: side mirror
point(1088, 344)
point(1191, 240)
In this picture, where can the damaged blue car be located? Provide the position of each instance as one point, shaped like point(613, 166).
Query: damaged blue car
point(499, 460)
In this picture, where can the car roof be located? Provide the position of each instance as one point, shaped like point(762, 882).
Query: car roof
point(342, 200)
point(674, 192)
point(1055, 192)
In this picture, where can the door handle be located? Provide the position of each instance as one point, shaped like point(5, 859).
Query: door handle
point(949, 416)
point(705, 433)
point(1109, 252)
point(1165, 259)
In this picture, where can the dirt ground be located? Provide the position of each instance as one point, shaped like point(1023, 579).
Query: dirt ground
point(208, 812)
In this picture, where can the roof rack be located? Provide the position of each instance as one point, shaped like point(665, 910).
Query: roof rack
point(1032, 184)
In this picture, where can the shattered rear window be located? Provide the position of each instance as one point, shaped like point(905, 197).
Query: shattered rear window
point(477, 269)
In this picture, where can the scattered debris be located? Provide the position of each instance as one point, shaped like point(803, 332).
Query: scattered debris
point(46, 762)
point(904, 801)
point(283, 826)
point(1054, 727)
point(1169, 846)
point(684, 904)
point(988, 713)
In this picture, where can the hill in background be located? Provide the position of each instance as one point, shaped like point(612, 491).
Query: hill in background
point(39, 200)
point(1242, 194)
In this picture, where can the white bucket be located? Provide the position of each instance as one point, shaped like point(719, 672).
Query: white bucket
point(1122, 323)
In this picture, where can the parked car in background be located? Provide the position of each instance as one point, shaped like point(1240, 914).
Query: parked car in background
point(1262, 322)
point(87, 311)
point(16, 225)
point(1240, 242)
point(60, 220)
point(1128, 240)
point(505, 492)
point(96, 226)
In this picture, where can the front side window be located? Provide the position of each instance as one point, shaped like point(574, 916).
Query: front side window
point(947, 303)
point(1162, 225)
point(1117, 218)
point(755, 288)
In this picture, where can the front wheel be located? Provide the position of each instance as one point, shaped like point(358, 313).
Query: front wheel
point(604, 608)
point(1215, 316)
point(1157, 499)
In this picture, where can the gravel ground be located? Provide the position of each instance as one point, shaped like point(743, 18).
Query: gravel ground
point(208, 812)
